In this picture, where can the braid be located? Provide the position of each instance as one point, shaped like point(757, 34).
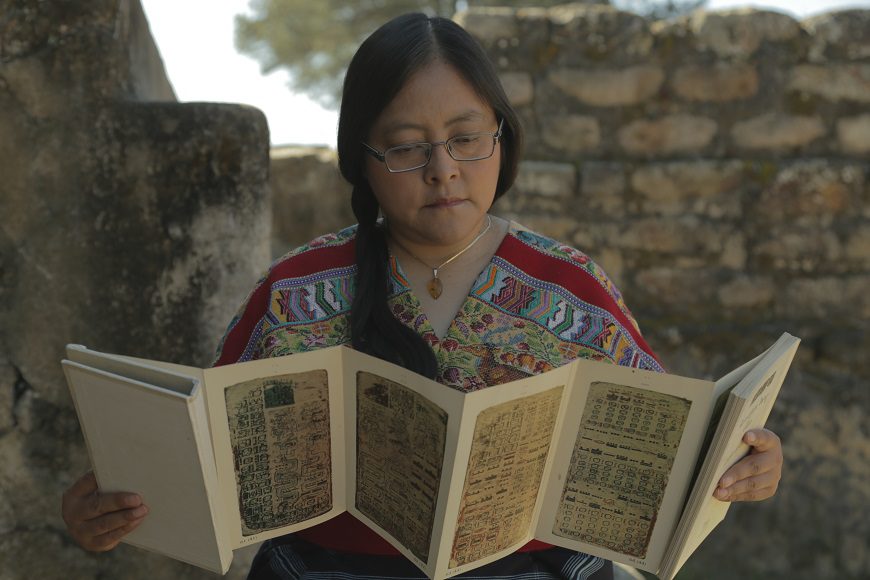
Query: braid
point(373, 328)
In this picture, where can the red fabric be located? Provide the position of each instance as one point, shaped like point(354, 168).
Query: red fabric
point(345, 533)
point(550, 268)
point(304, 264)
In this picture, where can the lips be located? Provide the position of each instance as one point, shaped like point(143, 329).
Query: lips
point(446, 202)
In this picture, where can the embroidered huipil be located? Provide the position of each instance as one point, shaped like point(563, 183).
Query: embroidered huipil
point(537, 305)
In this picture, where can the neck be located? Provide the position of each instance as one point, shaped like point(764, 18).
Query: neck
point(434, 253)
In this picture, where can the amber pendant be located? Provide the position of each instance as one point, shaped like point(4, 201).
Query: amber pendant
point(434, 287)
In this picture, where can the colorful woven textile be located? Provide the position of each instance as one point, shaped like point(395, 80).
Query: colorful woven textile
point(536, 306)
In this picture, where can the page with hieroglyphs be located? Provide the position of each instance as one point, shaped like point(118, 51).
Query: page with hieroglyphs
point(624, 462)
point(278, 440)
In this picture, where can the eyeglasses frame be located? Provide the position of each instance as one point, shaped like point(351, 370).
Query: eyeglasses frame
point(382, 156)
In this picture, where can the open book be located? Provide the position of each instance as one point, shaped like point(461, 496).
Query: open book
point(603, 459)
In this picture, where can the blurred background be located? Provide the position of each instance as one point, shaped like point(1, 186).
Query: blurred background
point(714, 158)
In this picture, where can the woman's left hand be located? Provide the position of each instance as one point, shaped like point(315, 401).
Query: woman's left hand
point(756, 476)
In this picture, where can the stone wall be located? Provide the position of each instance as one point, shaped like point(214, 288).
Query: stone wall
point(129, 223)
point(716, 166)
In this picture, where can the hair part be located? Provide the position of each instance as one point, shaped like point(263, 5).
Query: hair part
point(382, 65)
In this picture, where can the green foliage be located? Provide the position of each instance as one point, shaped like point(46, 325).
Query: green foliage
point(315, 40)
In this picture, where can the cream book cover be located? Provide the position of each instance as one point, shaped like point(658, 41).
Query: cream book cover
point(590, 456)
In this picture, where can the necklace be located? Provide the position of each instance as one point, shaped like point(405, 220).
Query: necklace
point(435, 287)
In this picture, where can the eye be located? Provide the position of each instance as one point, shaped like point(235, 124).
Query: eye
point(409, 149)
point(466, 139)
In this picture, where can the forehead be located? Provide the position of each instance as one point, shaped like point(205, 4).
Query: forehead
point(435, 96)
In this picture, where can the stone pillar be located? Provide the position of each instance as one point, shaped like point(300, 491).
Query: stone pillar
point(129, 223)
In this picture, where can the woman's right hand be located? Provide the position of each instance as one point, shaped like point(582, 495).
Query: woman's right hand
point(98, 521)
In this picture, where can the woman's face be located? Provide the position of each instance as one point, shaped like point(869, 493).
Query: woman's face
point(444, 204)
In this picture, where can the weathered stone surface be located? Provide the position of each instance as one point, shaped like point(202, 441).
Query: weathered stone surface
point(546, 178)
point(747, 292)
point(670, 134)
point(830, 298)
point(721, 83)
point(671, 236)
point(489, 23)
point(584, 34)
point(853, 133)
point(571, 133)
point(777, 131)
point(128, 225)
point(602, 189)
point(706, 188)
point(519, 88)
point(836, 82)
point(839, 35)
point(609, 88)
point(8, 396)
point(738, 33)
point(309, 196)
point(857, 247)
point(810, 193)
point(671, 288)
point(799, 251)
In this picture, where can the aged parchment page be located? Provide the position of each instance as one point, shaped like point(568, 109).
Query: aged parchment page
point(400, 454)
point(626, 433)
point(508, 451)
point(285, 478)
point(279, 432)
point(622, 458)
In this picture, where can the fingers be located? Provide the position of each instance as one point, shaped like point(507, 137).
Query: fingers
point(753, 488)
point(112, 521)
point(98, 521)
point(98, 504)
point(762, 439)
point(107, 541)
point(756, 476)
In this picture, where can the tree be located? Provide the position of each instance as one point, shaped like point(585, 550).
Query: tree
point(315, 40)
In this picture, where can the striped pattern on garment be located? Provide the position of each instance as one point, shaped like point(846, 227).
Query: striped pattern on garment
point(291, 559)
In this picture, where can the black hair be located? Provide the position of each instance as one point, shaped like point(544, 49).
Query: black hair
point(380, 68)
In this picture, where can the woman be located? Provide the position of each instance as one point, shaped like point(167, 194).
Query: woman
point(429, 141)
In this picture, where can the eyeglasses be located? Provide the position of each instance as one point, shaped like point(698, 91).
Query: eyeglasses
point(411, 156)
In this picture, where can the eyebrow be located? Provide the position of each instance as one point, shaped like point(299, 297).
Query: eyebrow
point(471, 115)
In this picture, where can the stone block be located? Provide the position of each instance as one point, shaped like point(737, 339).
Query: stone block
point(810, 193)
point(839, 35)
point(857, 247)
point(546, 178)
point(309, 196)
point(489, 23)
point(734, 252)
point(569, 134)
point(835, 82)
point(670, 288)
point(777, 131)
point(586, 34)
point(700, 187)
point(603, 188)
point(677, 133)
point(609, 87)
point(830, 298)
point(853, 134)
point(719, 83)
point(747, 292)
point(739, 33)
point(805, 250)
point(519, 88)
point(683, 235)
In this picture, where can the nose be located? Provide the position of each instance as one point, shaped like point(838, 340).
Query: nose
point(442, 167)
